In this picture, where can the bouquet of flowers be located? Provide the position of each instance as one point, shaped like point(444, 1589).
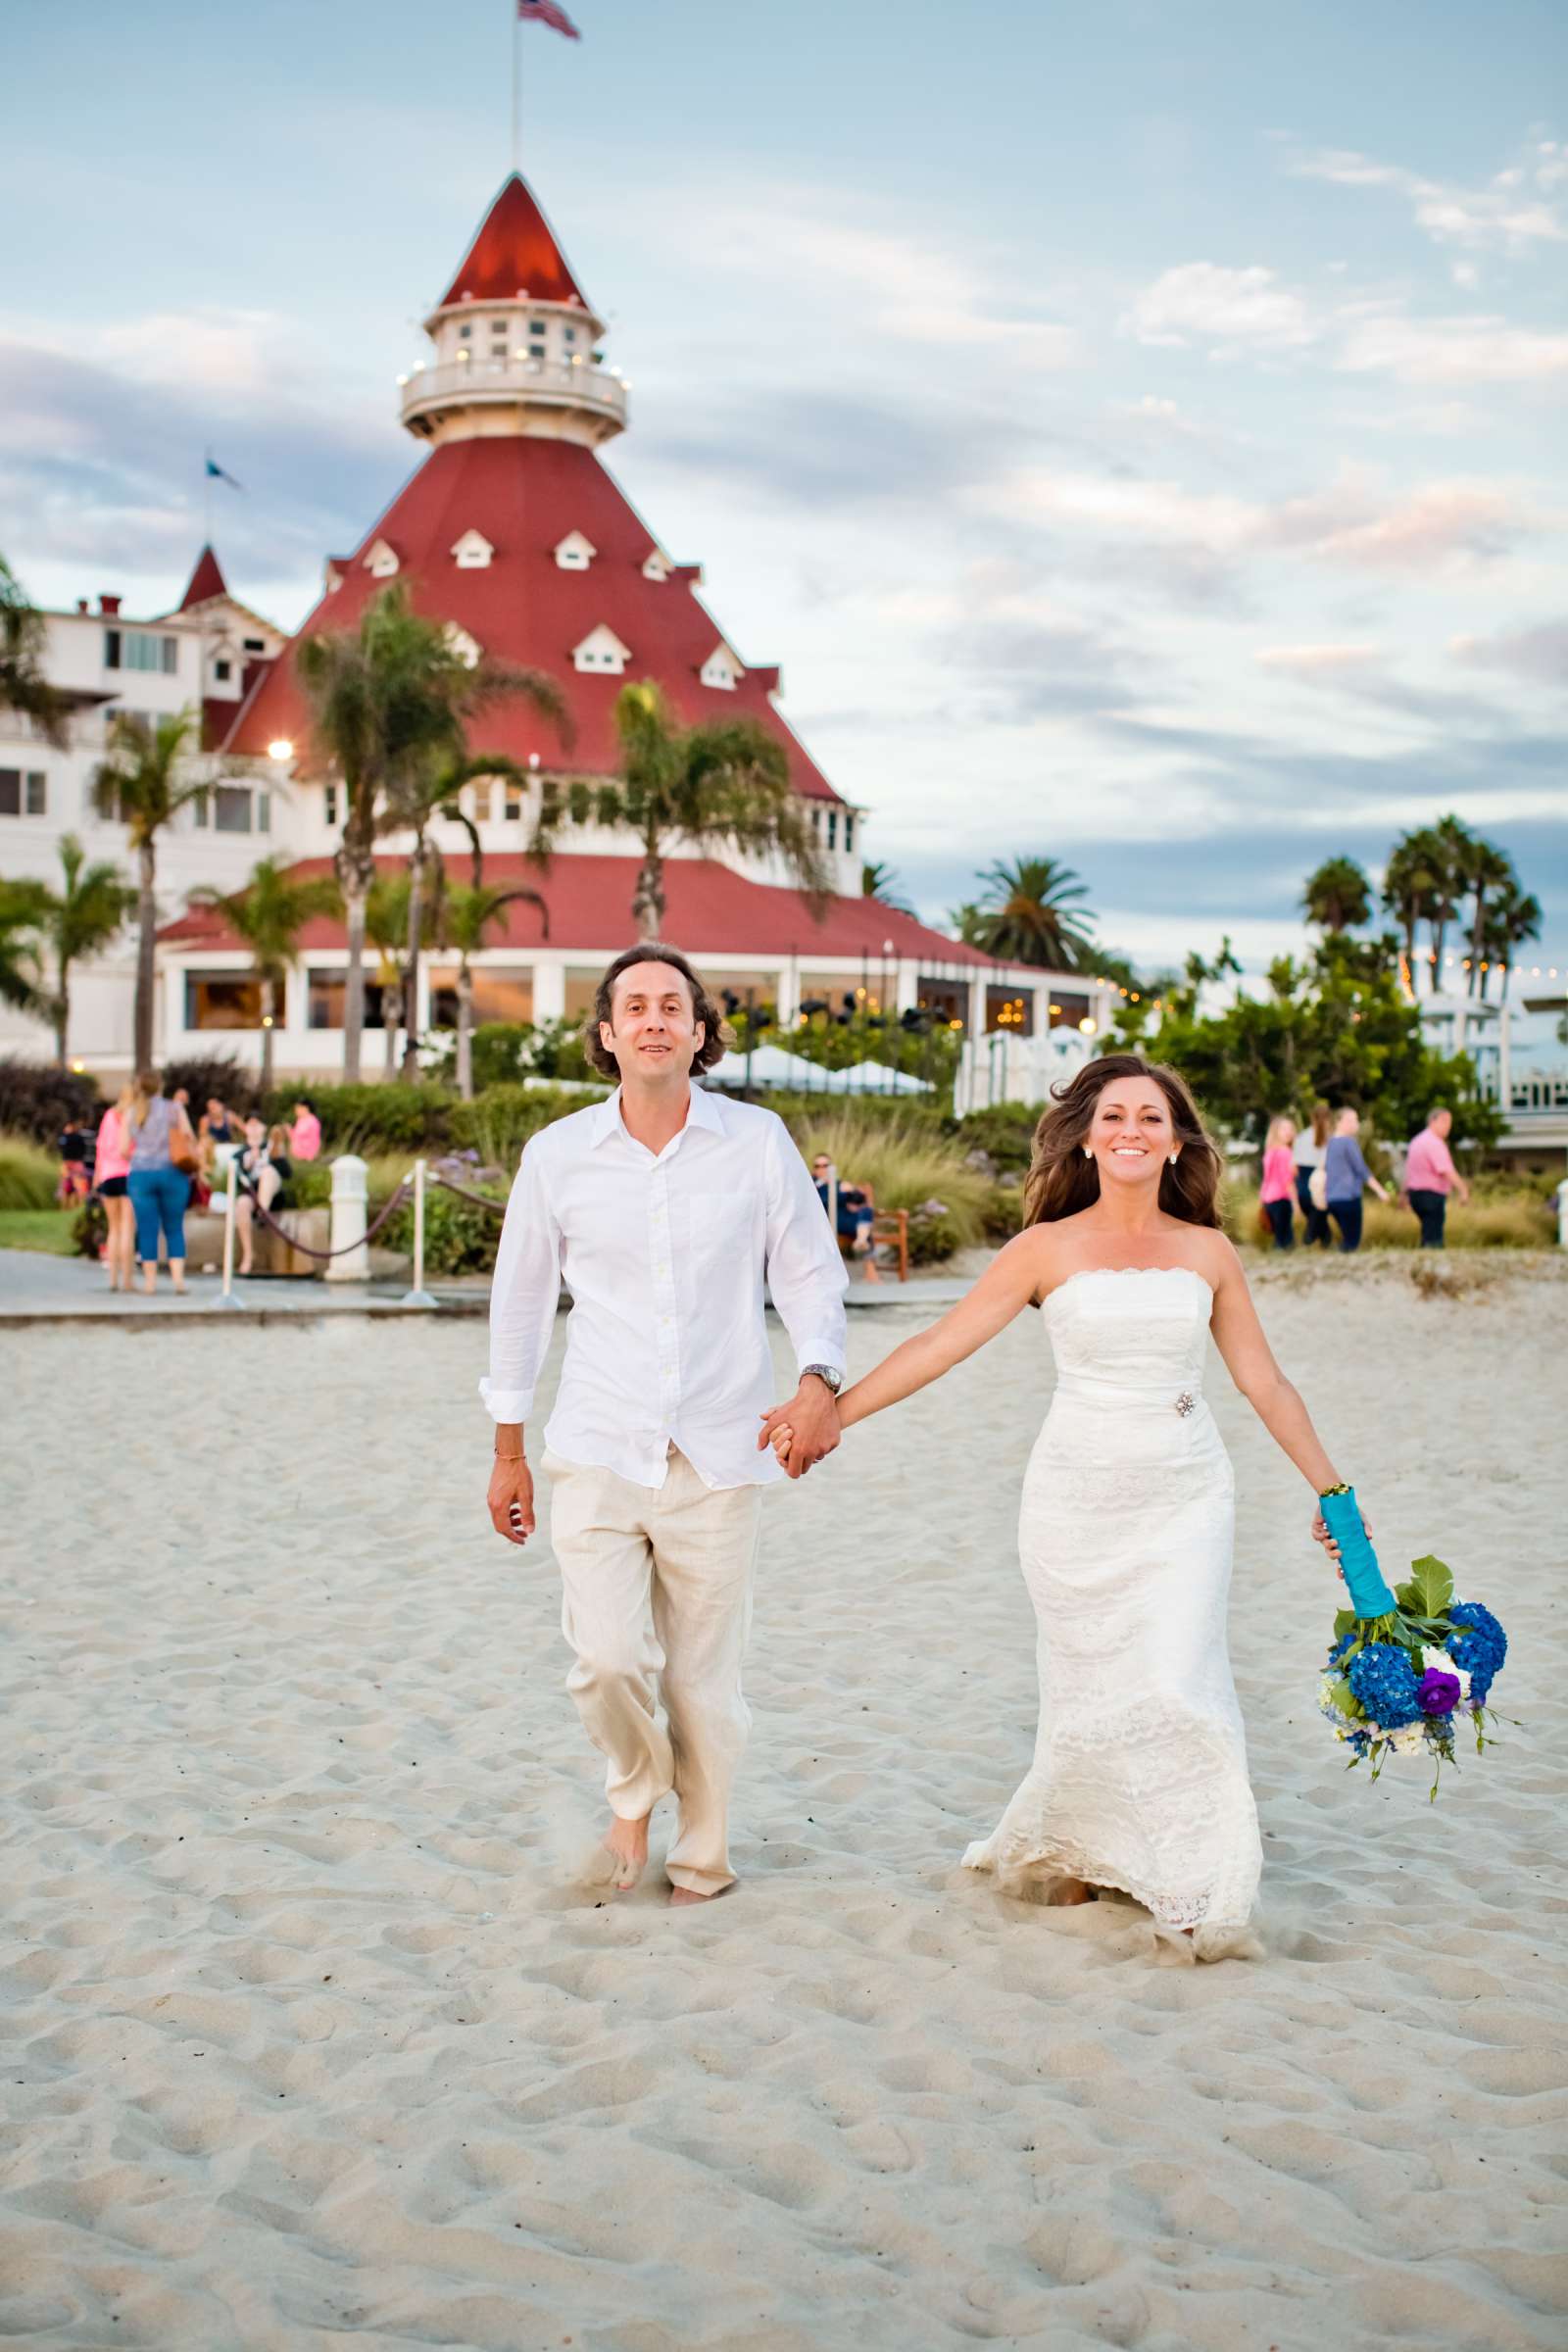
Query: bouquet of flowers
point(1404, 1665)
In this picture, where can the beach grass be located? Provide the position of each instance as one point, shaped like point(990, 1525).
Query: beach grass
point(1518, 1218)
point(905, 1166)
point(29, 1174)
point(52, 1230)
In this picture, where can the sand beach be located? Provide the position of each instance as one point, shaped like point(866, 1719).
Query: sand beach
point(310, 2038)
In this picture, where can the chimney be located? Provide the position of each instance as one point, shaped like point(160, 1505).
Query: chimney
point(110, 606)
point(81, 604)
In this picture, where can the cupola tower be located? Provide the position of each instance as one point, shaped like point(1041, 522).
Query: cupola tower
point(516, 343)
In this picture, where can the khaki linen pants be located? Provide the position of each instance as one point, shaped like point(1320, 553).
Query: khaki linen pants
point(657, 1606)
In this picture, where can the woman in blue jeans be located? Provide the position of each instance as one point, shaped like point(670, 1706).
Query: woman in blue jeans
point(1347, 1176)
point(159, 1191)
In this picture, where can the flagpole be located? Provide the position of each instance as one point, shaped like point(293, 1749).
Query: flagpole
point(516, 81)
point(206, 499)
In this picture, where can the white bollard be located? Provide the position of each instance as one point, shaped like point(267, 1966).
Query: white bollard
point(1562, 1214)
point(418, 1296)
point(350, 1178)
point(230, 1209)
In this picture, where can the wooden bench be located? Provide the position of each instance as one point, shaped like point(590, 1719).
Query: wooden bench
point(273, 1251)
point(889, 1225)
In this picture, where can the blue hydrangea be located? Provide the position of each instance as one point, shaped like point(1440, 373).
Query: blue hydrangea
point(1480, 1646)
point(1383, 1680)
point(1340, 1649)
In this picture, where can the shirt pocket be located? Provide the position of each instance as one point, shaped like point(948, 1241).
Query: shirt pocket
point(724, 1239)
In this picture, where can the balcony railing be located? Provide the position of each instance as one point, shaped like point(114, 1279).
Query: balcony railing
point(550, 382)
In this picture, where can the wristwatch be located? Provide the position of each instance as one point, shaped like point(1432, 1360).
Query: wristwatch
point(834, 1380)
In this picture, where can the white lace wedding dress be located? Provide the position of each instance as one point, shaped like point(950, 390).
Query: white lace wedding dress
point(1139, 1777)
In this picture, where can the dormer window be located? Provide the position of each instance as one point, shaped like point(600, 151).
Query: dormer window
point(382, 561)
point(657, 568)
point(472, 552)
point(468, 648)
point(576, 552)
point(721, 669)
point(602, 653)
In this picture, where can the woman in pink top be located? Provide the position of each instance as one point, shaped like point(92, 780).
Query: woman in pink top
point(305, 1136)
point(1279, 1182)
point(111, 1166)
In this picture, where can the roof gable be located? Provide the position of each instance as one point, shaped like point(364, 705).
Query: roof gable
point(207, 580)
point(516, 252)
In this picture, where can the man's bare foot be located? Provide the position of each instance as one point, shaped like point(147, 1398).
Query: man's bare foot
point(627, 1841)
point(680, 1896)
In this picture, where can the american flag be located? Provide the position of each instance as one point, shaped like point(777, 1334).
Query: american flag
point(544, 11)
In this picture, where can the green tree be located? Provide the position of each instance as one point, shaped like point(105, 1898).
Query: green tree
point(141, 784)
point(268, 914)
point(390, 704)
point(1513, 919)
point(1338, 895)
point(880, 882)
point(465, 916)
point(79, 919)
point(22, 920)
point(1452, 845)
point(1410, 887)
point(718, 787)
point(1029, 915)
point(24, 643)
point(386, 930)
point(1487, 872)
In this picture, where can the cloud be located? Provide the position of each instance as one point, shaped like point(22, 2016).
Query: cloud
point(1233, 309)
point(1316, 661)
point(1539, 654)
point(1514, 211)
point(1474, 349)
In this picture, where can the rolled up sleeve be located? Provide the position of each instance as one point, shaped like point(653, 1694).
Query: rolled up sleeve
point(524, 1295)
point(804, 1272)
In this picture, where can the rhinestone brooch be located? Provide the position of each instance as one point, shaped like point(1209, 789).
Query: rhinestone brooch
point(1186, 1404)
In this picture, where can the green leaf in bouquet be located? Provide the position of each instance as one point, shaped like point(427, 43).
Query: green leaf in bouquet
point(1340, 1696)
point(1430, 1589)
point(1345, 1622)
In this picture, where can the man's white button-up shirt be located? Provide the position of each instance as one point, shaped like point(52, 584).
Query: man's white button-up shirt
point(665, 1256)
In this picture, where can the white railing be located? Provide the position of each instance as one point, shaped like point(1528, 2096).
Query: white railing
point(548, 380)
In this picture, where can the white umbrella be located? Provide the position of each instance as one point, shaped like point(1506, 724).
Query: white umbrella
point(877, 1078)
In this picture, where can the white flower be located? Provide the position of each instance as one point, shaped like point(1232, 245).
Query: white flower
point(1409, 1739)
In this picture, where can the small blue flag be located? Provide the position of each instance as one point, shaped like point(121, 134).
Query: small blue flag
point(217, 473)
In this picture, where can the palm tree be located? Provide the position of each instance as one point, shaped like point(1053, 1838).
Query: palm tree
point(389, 710)
point(386, 927)
point(467, 912)
point(1337, 897)
point(268, 914)
point(712, 787)
point(1488, 873)
point(79, 919)
point(880, 882)
point(1410, 882)
point(22, 918)
point(1029, 917)
point(1513, 919)
point(139, 784)
point(1452, 843)
point(22, 643)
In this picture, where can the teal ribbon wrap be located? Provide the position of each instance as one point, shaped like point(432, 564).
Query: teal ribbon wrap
point(1369, 1594)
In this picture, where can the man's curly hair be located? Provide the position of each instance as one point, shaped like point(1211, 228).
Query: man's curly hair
point(715, 1035)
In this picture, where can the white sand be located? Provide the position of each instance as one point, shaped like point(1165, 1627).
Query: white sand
point(308, 2040)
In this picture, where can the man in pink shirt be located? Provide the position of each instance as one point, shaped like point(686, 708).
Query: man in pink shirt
point(1429, 1175)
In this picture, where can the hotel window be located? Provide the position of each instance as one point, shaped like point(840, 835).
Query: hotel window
point(139, 649)
point(832, 828)
point(223, 671)
point(201, 810)
point(849, 831)
point(264, 812)
point(231, 809)
point(1067, 1011)
point(255, 644)
point(514, 808)
point(325, 994)
point(24, 792)
point(1011, 1011)
point(568, 334)
point(466, 332)
point(222, 1001)
point(501, 992)
point(329, 805)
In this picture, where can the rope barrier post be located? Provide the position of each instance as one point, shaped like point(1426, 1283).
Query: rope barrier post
point(230, 1209)
point(418, 1296)
point(350, 1260)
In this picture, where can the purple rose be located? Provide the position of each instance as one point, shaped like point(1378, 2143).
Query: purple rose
point(1438, 1692)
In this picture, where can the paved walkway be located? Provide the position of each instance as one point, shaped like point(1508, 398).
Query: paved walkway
point(35, 1288)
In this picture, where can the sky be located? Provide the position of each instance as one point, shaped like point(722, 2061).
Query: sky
point(1135, 429)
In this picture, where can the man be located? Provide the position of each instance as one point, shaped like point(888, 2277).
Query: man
point(1429, 1175)
point(661, 1208)
point(1346, 1176)
point(848, 1210)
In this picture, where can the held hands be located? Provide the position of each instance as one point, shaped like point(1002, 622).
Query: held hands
point(1320, 1535)
point(511, 1498)
point(802, 1431)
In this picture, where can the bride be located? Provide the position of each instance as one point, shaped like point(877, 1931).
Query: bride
point(1139, 1780)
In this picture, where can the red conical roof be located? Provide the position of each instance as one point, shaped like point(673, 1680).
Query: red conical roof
point(514, 251)
point(207, 580)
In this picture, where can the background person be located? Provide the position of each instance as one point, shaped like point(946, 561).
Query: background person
point(855, 1211)
point(1345, 1177)
point(1278, 1181)
point(74, 1146)
point(305, 1135)
point(1308, 1153)
point(111, 1167)
point(1429, 1175)
point(160, 1191)
point(260, 1173)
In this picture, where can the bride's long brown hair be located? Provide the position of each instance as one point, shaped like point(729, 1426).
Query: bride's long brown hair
point(1062, 1181)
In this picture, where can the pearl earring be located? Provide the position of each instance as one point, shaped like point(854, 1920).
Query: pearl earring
point(1173, 1158)
point(1088, 1152)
